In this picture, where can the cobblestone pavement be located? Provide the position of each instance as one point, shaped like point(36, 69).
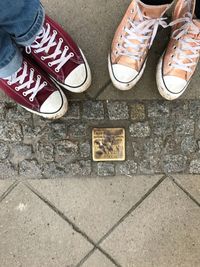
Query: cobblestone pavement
point(161, 137)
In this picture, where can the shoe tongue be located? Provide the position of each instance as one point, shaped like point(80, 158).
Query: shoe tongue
point(153, 11)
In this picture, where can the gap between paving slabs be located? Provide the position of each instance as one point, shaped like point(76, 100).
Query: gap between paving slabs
point(161, 137)
point(77, 229)
point(74, 226)
point(135, 206)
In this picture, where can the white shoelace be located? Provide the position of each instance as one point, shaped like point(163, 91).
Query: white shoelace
point(47, 41)
point(140, 31)
point(186, 44)
point(13, 79)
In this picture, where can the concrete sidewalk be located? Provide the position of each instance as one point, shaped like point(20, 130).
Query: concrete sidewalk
point(142, 212)
point(139, 221)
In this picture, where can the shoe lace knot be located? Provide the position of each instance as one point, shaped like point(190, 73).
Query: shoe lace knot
point(44, 42)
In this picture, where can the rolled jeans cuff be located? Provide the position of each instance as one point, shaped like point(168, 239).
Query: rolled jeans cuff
point(29, 37)
point(13, 65)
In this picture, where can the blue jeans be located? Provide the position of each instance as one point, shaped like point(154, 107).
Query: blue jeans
point(20, 22)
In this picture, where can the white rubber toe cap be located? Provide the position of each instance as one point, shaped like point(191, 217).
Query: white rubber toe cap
point(53, 103)
point(175, 84)
point(77, 77)
point(123, 73)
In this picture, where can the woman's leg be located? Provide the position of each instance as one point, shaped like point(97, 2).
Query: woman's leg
point(22, 19)
point(10, 56)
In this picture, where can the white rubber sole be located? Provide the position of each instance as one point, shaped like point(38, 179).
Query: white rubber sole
point(86, 84)
point(163, 90)
point(121, 85)
point(56, 115)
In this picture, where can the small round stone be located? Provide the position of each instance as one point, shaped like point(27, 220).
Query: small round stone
point(4, 151)
point(189, 145)
point(140, 129)
point(127, 168)
point(174, 163)
point(195, 166)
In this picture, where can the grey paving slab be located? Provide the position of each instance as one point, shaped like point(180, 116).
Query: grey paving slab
point(34, 235)
point(95, 205)
point(98, 260)
point(4, 185)
point(163, 231)
point(191, 183)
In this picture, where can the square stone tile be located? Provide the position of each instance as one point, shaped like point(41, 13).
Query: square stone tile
point(34, 235)
point(191, 183)
point(4, 185)
point(95, 205)
point(163, 231)
point(97, 259)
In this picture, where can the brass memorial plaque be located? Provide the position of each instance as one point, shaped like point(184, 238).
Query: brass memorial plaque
point(108, 144)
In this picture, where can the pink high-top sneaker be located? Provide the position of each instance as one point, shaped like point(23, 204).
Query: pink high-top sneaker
point(132, 41)
point(179, 61)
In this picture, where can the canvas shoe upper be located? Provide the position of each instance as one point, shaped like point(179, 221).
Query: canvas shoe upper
point(34, 91)
point(132, 41)
point(58, 55)
point(177, 65)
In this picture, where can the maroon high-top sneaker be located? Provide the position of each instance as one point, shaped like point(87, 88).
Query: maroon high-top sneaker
point(33, 90)
point(59, 56)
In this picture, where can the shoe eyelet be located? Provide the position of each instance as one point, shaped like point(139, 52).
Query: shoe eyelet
point(132, 11)
point(31, 69)
point(42, 58)
point(8, 82)
point(116, 52)
point(174, 47)
point(45, 83)
point(170, 64)
point(31, 99)
point(61, 39)
point(49, 64)
point(24, 94)
point(56, 70)
point(35, 51)
point(16, 89)
point(66, 47)
point(25, 63)
point(55, 32)
point(72, 54)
